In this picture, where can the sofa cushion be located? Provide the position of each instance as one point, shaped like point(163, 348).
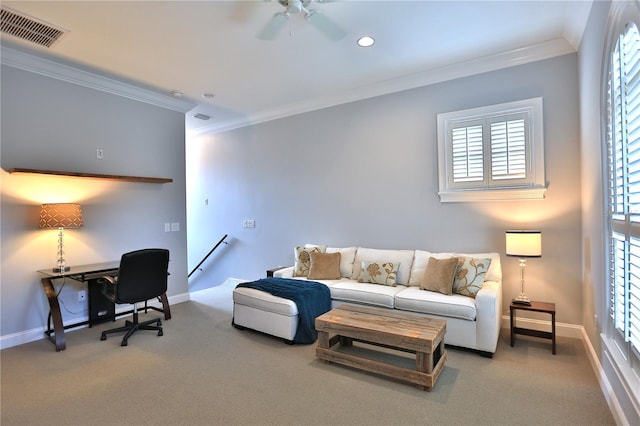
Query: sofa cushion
point(378, 273)
point(470, 273)
point(419, 265)
point(347, 257)
point(430, 302)
point(403, 257)
point(369, 294)
point(264, 301)
point(324, 266)
point(303, 259)
point(439, 275)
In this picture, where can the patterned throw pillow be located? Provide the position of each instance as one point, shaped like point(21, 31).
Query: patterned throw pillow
point(470, 276)
point(379, 273)
point(303, 259)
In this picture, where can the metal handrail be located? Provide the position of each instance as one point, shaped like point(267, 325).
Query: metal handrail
point(222, 240)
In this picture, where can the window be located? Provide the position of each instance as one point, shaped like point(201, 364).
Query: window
point(623, 219)
point(492, 153)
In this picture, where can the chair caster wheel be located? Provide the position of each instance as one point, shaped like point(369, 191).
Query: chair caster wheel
point(160, 333)
point(103, 337)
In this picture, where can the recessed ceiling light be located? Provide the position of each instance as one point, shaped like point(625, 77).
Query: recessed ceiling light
point(366, 41)
point(208, 95)
point(200, 116)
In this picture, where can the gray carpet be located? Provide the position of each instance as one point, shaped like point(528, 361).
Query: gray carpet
point(205, 372)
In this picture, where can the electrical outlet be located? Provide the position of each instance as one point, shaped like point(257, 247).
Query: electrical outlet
point(175, 226)
point(82, 296)
point(99, 154)
point(167, 227)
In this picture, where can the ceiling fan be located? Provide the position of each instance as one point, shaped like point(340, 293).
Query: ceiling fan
point(301, 7)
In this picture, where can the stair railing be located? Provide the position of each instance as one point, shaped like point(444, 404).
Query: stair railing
point(222, 240)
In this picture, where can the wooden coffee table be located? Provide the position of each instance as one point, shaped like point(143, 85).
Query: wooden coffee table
point(391, 329)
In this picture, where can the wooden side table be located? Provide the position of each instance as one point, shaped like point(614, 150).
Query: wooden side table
point(549, 308)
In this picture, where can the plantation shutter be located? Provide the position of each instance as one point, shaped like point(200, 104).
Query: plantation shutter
point(508, 148)
point(623, 142)
point(467, 153)
point(494, 148)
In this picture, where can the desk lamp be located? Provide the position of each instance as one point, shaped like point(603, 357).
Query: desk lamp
point(523, 244)
point(64, 215)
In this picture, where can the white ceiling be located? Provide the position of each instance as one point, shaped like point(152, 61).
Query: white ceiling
point(211, 46)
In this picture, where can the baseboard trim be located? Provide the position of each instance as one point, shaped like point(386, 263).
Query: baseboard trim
point(36, 334)
point(603, 380)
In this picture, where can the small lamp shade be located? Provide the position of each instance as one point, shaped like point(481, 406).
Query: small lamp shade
point(524, 243)
point(64, 215)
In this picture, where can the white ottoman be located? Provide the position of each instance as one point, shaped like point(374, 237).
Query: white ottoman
point(263, 312)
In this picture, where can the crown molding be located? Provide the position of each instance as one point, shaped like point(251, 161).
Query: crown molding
point(533, 53)
point(35, 64)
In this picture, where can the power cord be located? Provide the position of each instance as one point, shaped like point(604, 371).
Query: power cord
point(60, 301)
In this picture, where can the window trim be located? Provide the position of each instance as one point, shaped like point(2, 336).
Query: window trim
point(533, 189)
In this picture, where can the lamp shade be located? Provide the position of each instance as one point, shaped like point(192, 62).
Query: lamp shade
point(63, 215)
point(524, 243)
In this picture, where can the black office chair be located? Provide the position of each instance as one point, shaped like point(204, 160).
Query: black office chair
point(142, 276)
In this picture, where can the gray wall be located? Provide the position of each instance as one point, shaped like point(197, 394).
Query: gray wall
point(51, 124)
point(365, 174)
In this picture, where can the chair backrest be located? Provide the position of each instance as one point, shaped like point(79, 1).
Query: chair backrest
point(143, 275)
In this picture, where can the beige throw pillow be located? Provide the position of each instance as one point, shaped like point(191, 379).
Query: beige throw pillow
point(324, 266)
point(439, 275)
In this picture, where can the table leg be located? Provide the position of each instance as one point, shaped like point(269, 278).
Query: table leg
point(424, 364)
point(165, 306)
point(511, 313)
point(553, 333)
point(323, 343)
point(56, 315)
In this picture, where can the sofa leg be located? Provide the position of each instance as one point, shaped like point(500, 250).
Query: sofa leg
point(239, 327)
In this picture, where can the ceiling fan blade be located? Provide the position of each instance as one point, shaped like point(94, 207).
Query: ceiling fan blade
point(326, 26)
point(273, 27)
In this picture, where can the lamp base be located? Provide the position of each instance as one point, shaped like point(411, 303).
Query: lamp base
point(62, 269)
point(522, 299)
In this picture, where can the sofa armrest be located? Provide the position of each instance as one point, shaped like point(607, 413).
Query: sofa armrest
point(488, 312)
point(284, 272)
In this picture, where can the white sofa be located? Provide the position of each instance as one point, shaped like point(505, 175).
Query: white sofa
point(472, 323)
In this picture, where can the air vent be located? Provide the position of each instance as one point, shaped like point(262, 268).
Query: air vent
point(29, 28)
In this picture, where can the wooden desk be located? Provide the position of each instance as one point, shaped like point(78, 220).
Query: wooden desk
point(100, 308)
point(549, 308)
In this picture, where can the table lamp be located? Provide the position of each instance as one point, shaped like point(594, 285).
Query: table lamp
point(523, 244)
point(63, 215)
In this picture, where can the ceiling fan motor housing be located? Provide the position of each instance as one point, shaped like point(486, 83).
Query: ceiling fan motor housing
point(295, 6)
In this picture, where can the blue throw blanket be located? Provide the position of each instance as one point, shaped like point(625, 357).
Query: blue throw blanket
point(312, 299)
